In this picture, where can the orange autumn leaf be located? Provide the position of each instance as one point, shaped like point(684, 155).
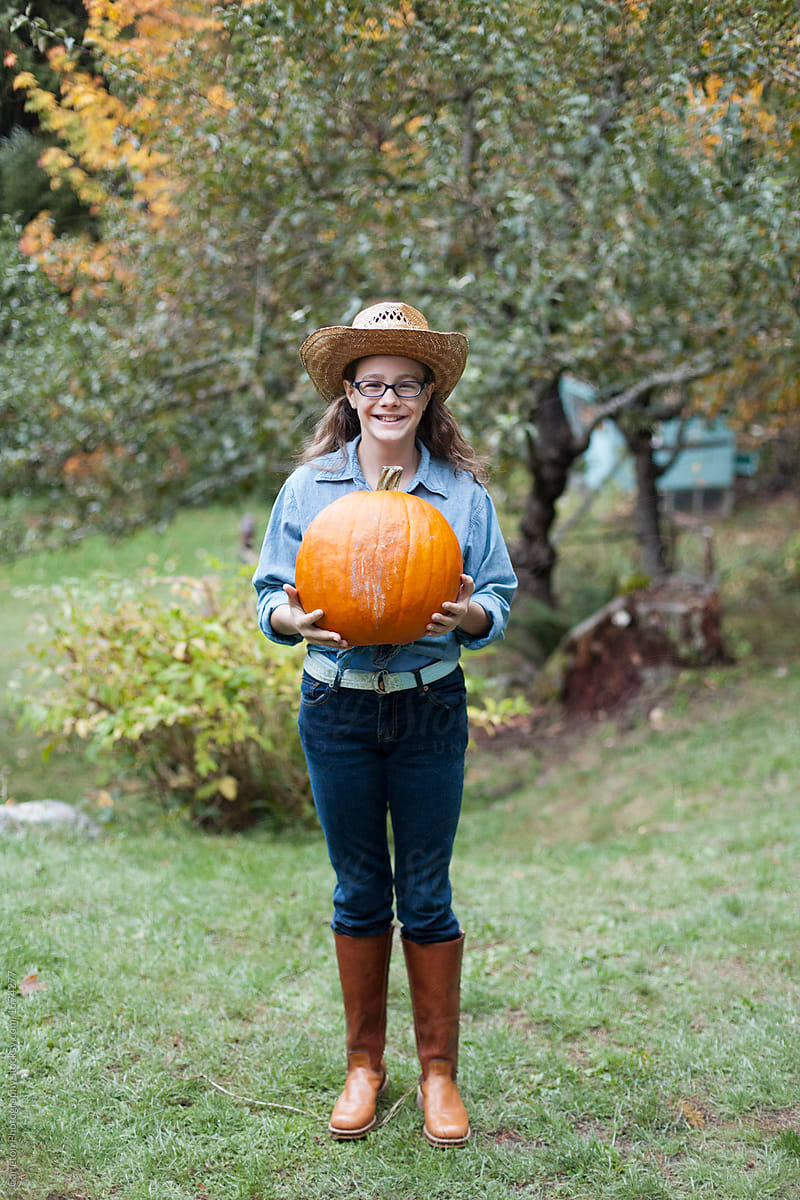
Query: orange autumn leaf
point(32, 983)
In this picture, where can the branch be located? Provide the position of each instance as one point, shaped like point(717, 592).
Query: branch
point(251, 1099)
point(679, 447)
point(196, 367)
point(468, 138)
point(234, 475)
point(696, 368)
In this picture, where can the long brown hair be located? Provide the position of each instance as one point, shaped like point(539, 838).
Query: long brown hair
point(438, 430)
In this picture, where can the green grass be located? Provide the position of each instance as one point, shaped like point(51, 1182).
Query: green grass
point(631, 993)
point(630, 1004)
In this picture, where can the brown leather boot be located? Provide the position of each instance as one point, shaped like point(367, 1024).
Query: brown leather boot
point(434, 974)
point(364, 974)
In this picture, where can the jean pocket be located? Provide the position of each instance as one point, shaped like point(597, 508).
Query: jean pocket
point(448, 693)
point(313, 692)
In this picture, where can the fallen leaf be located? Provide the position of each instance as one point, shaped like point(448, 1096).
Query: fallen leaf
point(32, 983)
point(691, 1114)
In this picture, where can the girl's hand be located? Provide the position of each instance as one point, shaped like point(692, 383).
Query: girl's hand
point(454, 612)
point(306, 623)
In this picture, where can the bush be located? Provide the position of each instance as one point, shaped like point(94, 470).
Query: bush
point(183, 688)
point(25, 187)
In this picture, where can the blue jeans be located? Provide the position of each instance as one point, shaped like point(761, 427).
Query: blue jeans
point(403, 754)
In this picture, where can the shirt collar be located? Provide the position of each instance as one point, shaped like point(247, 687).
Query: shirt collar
point(430, 474)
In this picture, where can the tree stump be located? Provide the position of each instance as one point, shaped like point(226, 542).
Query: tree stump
point(604, 661)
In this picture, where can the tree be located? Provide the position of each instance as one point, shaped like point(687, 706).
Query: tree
point(598, 187)
point(24, 39)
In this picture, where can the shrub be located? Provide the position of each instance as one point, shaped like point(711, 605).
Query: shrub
point(183, 688)
point(174, 679)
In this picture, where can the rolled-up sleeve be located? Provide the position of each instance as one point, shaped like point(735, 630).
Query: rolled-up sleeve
point(487, 560)
point(276, 563)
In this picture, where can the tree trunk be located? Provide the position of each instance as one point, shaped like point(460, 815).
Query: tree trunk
point(634, 641)
point(551, 454)
point(649, 533)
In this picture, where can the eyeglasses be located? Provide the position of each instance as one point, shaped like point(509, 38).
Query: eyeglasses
point(406, 389)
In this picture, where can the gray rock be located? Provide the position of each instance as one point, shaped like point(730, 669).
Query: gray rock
point(46, 815)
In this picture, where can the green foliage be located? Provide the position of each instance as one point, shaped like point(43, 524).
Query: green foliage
point(25, 187)
point(489, 705)
point(184, 688)
point(25, 27)
point(536, 629)
point(632, 583)
point(789, 571)
point(51, 402)
point(96, 435)
point(554, 179)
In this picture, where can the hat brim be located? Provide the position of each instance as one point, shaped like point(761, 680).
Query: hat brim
point(326, 352)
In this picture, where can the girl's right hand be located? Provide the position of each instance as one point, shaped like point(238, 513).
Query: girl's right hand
point(306, 623)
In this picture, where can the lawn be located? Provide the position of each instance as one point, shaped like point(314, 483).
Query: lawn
point(631, 990)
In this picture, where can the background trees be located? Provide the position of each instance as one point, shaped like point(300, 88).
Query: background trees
point(606, 189)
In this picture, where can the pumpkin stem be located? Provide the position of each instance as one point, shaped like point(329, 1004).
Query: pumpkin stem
point(389, 479)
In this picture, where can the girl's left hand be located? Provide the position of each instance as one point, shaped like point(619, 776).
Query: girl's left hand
point(453, 611)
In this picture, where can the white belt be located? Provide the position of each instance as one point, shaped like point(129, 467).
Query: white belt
point(321, 668)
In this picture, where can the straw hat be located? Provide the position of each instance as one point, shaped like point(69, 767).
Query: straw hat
point(390, 327)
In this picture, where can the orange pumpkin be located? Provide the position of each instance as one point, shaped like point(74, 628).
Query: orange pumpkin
point(378, 564)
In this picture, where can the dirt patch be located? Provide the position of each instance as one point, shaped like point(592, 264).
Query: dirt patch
point(504, 1136)
point(776, 1120)
point(514, 1018)
point(596, 1131)
point(698, 1114)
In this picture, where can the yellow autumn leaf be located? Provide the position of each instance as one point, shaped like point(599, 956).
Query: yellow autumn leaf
point(714, 86)
point(766, 121)
point(229, 787)
point(405, 15)
point(691, 1114)
point(53, 158)
point(217, 96)
point(24, 80)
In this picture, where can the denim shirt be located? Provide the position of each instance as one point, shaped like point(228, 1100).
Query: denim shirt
point(465, 503)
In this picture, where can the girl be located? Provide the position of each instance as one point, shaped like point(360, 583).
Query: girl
point(384, 728)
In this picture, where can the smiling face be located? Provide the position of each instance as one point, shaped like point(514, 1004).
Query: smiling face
point(389, 419)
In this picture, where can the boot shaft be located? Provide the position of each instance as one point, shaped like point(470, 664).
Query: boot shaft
point(434, 976)
point(364, 976)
